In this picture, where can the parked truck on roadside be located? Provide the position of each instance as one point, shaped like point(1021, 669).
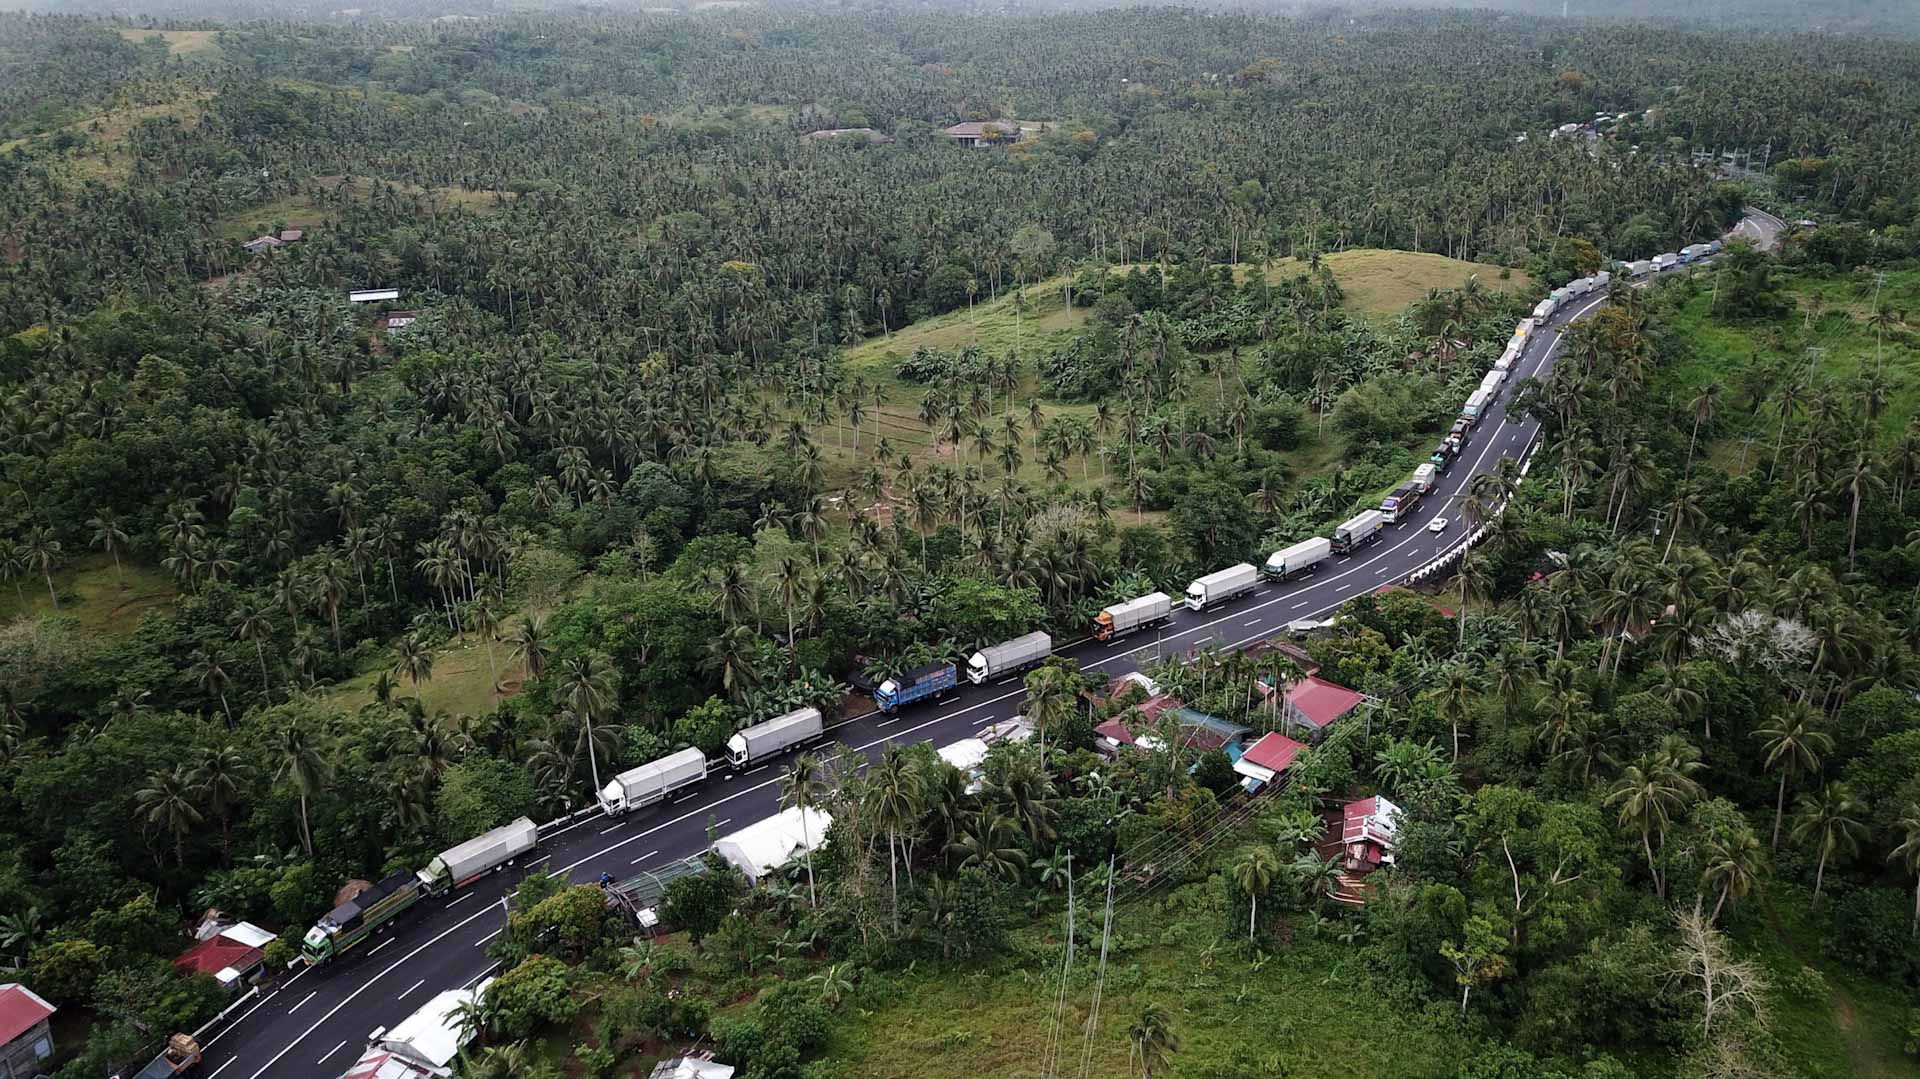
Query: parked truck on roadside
point(1121, 619)
point(1425, 477)
point(1400, 503)
point(1222, 585)
point(1297, 559)
point(1361, 528)
point(776, 735)
point(354, 921)
point(652, 782)
point(1009, 657)
point(932, 680)
point(181, 1053)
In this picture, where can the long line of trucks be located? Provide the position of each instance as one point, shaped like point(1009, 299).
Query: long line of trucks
point(354, 921)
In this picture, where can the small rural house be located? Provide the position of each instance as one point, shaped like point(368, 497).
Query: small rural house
point(26, 1032)
point(424, 1045)
point(1267, 760)
point(1313, 704)
point(229, 956)
point(700, 1066)
point(985, 133)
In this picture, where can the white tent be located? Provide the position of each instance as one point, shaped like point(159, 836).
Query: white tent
point(768, 844)
point(966, 754)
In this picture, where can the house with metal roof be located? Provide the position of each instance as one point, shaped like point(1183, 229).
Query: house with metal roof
point(1266, 761)
point(26, 1031)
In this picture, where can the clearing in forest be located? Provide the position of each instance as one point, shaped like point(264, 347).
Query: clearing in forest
point(98, 598)
point(179, 42)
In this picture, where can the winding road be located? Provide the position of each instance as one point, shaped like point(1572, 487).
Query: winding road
point(318, 1021)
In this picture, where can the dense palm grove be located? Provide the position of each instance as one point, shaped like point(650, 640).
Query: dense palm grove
point(622, 454)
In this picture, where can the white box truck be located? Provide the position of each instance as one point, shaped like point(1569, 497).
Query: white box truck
point(1356, 530)
point(1665, 262)
point(1491, 382)
point(1123, 618)
point(1544, 309)
point(1297, 559)
point(652, 782)
point(1008, 657)
point(776, 735)
point(1425, 477)
point(458, 866)
point(1640, 269)
point(1476, 407)
point(1222, 585)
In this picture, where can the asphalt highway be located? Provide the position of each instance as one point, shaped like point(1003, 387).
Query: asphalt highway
point(318, 1021)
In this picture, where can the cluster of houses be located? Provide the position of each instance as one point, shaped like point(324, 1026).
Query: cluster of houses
point(260, 245)
point(1361, 835)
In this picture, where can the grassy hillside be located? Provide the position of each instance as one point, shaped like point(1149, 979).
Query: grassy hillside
point(100, 599)
point(1829, 315)
point(201, 43)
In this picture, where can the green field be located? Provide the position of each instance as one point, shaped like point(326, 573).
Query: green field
point(1292, 1014)
point(203, 43)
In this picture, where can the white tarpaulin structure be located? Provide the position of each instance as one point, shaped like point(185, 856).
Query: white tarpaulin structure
point(766, 845)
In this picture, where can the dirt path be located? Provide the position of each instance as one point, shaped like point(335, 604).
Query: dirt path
point(1862, 1054)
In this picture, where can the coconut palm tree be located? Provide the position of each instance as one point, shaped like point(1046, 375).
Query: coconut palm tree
point(1153, 1039)
point(1650, 793)
point(1795, 745)
point(413, 658)
point(893, 793)
point(484, 617)
point(1733, 865)
point(301, 761)
point(167, 803)
point(219, 781)
point(1907, 855)
point(109, 535)
point(801, 788)
point(586, 686)
point(990, 842)
point(1828, 820)
point(208, 671)
point(41, 550)
point(1254, 874)
point(530, 645)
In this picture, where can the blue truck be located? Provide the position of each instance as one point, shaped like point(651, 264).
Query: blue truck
point(932, 680)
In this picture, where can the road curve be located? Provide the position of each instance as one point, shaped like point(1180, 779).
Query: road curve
point(316, 1023)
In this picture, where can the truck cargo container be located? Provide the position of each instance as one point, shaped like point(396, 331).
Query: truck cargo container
point(1009, 657)
point(457, 867)
point(1359, 529)
point(1640, 269)
point(652, 782)
point(1491, 381)
point(1544, 309)
point(1476, 407)
point(1603, 281)
point(1665, 262)
point(932, 680)
point(1298, 558)
point(1442, 456)
point(1400, 502)
point(1123, 618)
point(180, 1055)
point(776, 735)
point(1222, 585)
point(1425, 477)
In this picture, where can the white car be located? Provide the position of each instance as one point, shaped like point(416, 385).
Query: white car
point(1438, 524)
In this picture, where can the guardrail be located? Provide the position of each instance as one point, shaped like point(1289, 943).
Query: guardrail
point(1449, 557)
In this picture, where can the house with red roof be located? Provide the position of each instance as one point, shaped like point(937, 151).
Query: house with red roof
point(1313, 704)
point(1265, 761)
point(26, 1031)
point(229, 957)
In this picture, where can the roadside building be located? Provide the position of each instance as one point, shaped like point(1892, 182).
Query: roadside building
point(766, 845)
point(260, 245)
point(692, 1066)
point(26, 1032)
point(230, 956)
point(425, 1044)
point(1314, 704)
